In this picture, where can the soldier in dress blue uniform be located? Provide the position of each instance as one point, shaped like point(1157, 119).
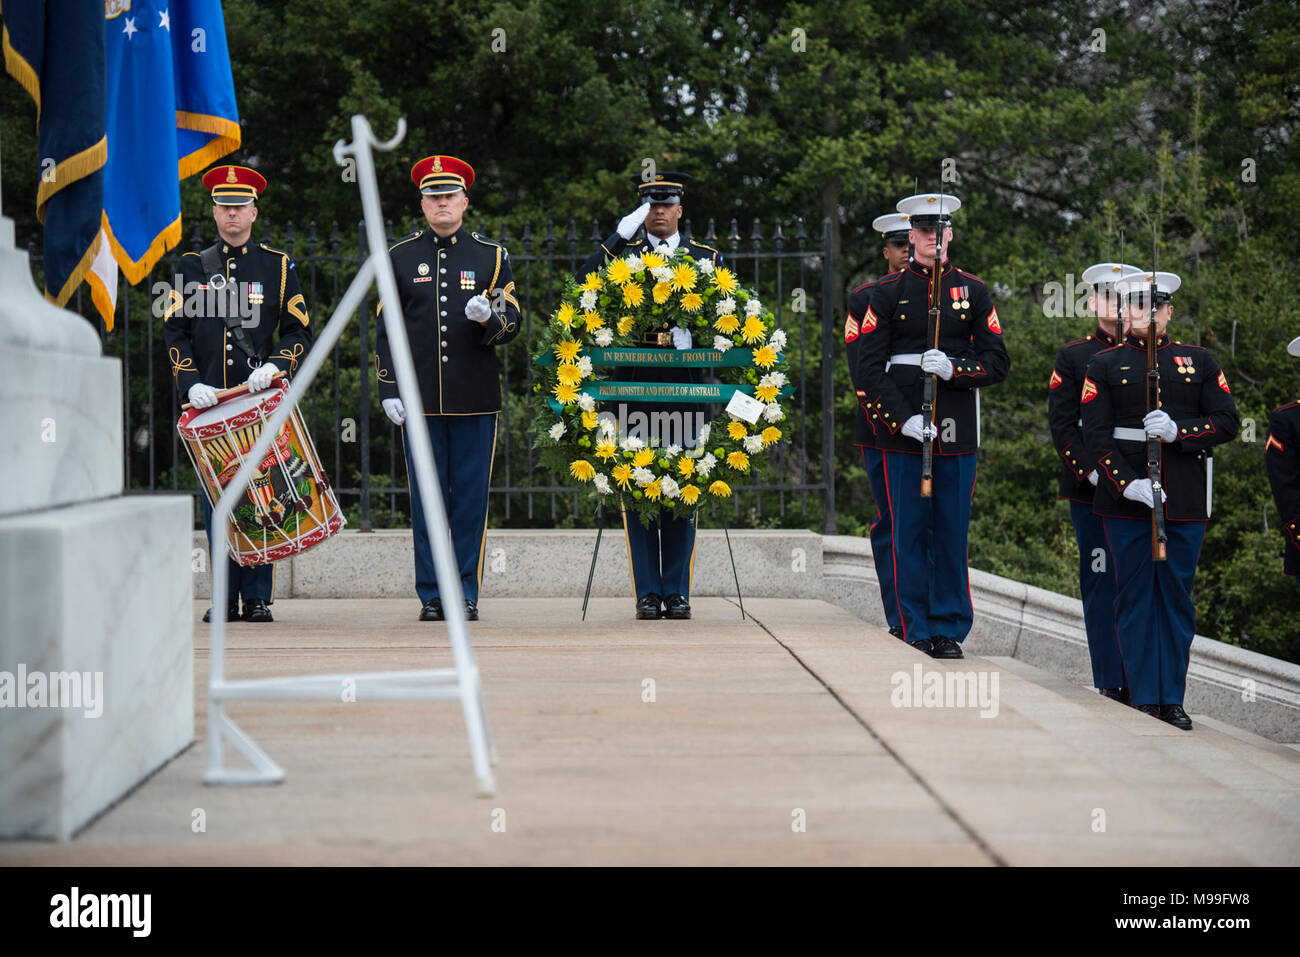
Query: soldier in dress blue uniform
point(458, 300)
point(1282, 459)
point(1154, 614)
point(662, 557)
point(1079, 478)
point(896, 353)
point(893, 229)
point(210, 352)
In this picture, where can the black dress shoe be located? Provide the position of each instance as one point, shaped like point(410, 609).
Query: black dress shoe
point(232, 612)
point(923, 644)
point(1151, 709)
point(1114, 694)
point(896, 632)
point(945, 648)
point(471, 610)
point(647, 608)
point(1175, 715)
point(432, 610)
point(255, 609)
point(676, 606)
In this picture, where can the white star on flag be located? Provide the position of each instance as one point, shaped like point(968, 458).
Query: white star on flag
point(130, 28)
point(164, 21)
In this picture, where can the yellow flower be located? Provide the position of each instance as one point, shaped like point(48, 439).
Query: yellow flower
point(771, 435)
point(653, 490)
point(738, 461)
point(720, 489)
point(569, 374)
point(652, 260)
point(686, 466)
point(564, 315)
point(767, 393)
point(753, 331)
point(622, 475)
point(625, 325)
point(582, 470)
point(643, 458)
point(619, 271)
point(633, 294)
point(765, 357)
point(683, 278)
point(564, 394)
point(593, 282)
point(725, 280)
point(593, 321)
point(661, 292)
point(690, 494)
point(567, 351)
point(606, 450)
point(727, 324)
point(590, 419)
point(692, 301)
point(737, 430)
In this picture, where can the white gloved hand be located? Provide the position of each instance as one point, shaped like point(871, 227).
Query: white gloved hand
point(478, 309)
point(395, 411)
point(935, 362)
point(914, 428)
point(629, 224)
point(1092, 476)
point(202, 396)
point(261, 376)
point(1158, 423)
point(681, 338)
point(1142, 492)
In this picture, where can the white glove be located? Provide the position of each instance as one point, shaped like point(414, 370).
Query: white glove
point(629, 224)
point(202, 396)
point(1159, 424)
point(681, 338)
point(914, 428)
point(1092, 476)
point(395, 411)
point(1141, 491)
point(935, 362)
point(261, 376)
point(478, 309)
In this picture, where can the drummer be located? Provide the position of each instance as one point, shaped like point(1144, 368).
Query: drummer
point(235, 314)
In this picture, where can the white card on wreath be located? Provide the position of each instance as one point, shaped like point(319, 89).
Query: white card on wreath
point(745, 407)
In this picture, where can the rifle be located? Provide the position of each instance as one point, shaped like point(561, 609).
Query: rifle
point(931, 387)
point(1158, 536)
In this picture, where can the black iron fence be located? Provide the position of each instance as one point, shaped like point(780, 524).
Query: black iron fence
point(790, 269)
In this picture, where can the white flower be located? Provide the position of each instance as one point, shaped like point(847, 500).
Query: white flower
point(705, 266)
point(753, 443)
point(633, 443)
point(670, 487)
point(726, 307)
point(586, 402)
point(606, 424)
point(722, 343)
point(766, 381)
point(604, 337)
point(634, 263)
point(753, 307)
point(673, 450)
point(777, 340)
point(557, 430)
point(705, 429)
point(772, 412)
point(601, 481)
point(643, 476)
point(705, 465)
point(584, 366)
point(777, 378)
point(662, 273)
point(588, 299)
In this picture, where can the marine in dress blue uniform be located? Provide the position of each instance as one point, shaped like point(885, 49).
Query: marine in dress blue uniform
point(930, 535)
point(1282, 460)
point(661, 556)
point(1155, 617)
point(893, 230)
point(1078, 477)
point(208, 352)
point(458, 302)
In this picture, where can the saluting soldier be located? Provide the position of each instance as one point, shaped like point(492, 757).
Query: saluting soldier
point(458, 302)
point(663, 555)
point(1282, 459)
point(896, 354)
point(235, 341)
point(1155, 617)
point(893, 230)
point(1079, 478)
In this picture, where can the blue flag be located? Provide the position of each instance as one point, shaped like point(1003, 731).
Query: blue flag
point(55, 49)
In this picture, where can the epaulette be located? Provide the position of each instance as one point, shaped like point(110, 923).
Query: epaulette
point(484, 240)
point(865, 285)
point(702, 246)
point(269, 249)
point(1077, 342)
point(195, 255)
point(1189, 345)
point(1290, 405)
point(970, 275)
point(404, 240)
point(892, 277)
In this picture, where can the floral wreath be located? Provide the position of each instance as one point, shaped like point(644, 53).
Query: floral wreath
point(613, 309)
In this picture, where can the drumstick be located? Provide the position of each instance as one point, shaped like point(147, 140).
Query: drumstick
point(240, 389)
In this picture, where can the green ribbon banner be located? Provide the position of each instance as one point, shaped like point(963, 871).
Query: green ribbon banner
point(668, 358)
point(662, 392)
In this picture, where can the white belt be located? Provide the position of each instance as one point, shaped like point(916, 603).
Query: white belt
point(904, 359)
point(1132, 435)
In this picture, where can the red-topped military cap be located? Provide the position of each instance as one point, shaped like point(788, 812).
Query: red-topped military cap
point(436, 175)
point(234, 185)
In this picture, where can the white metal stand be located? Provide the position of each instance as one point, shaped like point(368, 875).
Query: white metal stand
point(460, 682)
